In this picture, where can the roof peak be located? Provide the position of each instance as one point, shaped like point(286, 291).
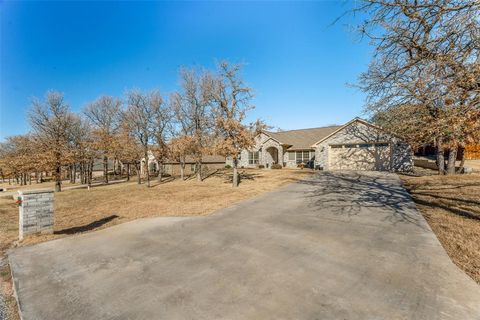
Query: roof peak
point(332, 126)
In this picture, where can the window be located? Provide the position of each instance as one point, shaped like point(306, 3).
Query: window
point(253, 157)
point(302, 156)
point(193, 167)
point(291, 155)
point(382, 144)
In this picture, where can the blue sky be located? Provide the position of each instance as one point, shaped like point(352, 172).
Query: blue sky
point(296, 61)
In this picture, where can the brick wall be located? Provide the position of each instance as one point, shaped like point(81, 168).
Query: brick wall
point(36, 212)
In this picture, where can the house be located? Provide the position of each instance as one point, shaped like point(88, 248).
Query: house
point(356, 145)
point(172, 167)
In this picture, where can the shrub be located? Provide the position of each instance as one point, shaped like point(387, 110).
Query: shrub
point(261, 166)
point(276, 166)
point(301, 166)
point(228, 166)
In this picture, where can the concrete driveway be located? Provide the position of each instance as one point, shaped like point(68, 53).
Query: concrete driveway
point(339, 246)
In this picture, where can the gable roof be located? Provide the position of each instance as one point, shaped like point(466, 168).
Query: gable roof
point(357, 119)
point(301, 139)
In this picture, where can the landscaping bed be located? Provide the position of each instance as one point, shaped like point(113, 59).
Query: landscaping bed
point(451, 206)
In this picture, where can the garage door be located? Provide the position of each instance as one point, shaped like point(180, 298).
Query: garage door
point(367, 156)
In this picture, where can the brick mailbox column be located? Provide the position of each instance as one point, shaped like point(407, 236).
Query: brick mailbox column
point(36, 212)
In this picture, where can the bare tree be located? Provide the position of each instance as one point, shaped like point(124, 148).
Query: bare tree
point(18, 158)
point(193, 111)
point(104, 114)
point(179, 148)
point(51, 122)
point(426, 61)
point(140, 115)
point(84, 149)
point(232, 102)
point(129, 150)
point(162, 122)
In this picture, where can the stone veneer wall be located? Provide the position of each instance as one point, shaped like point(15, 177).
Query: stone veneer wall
point(263, 142)
point(358, 133)
point(36, 212)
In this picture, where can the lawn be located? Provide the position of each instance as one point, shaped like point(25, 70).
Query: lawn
point(81, 210)
point(451, 206)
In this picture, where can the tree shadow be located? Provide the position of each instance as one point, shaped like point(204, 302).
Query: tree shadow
point(242, 175)
point(348, 193)
point(164, 180)
point(440, 197)
point(87, 227)
point(459, 212)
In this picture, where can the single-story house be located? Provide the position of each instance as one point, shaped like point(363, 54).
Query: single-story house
point(172, 167)
point(356, 145)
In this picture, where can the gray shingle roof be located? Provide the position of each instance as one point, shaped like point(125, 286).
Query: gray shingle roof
point(303, 138)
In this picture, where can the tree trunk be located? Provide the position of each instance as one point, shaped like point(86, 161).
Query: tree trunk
point(462, 161)
point(105, 168)
point(160, 171)
point(89, 174)
point(452, 157)
point(115, 168)
point(137, 168)
point(182, 169)
point(82, 164)
point(128, 171)
point(198, 169)
point(235, 173)
point(58, 178)
point(441, 160)
point(41, 177)
point(147, 171)
point(74, 179)
point(29, 178)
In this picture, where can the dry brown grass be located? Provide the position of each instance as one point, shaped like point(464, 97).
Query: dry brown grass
point(34, 185)
point(8, 223)
point(451, 205)
point(80, 210)
point(6, 290)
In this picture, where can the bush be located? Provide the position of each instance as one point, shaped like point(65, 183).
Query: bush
point(261, 166)
point(276, 166)
point(228, 166)
point(301, 166)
